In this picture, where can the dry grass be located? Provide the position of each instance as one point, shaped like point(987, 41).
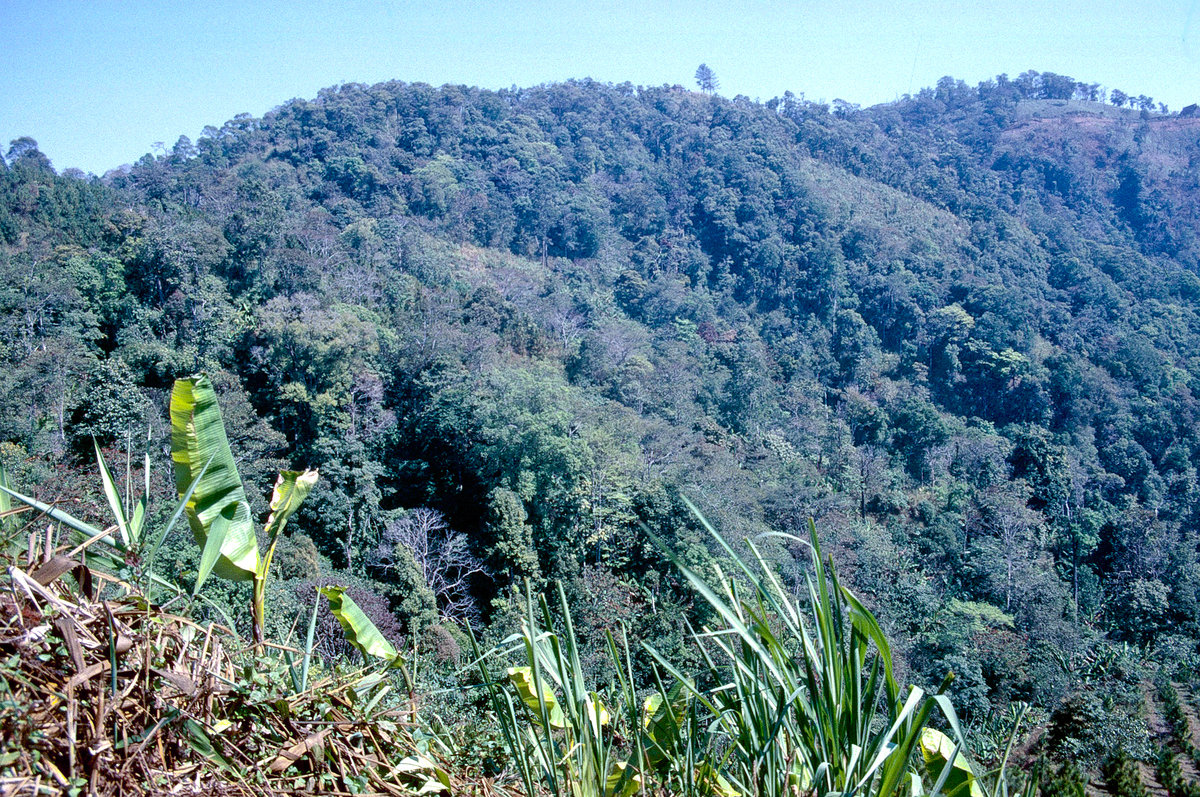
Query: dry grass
point(112, 696)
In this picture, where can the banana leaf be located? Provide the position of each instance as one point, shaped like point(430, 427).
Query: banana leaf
point(939, 750)
point(291, 488)
point(212, 546)
point(198, 437)
point(522, 680)
point(360, 631)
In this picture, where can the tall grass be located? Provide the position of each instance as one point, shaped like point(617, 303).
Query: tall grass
point(562, 735)
point(800, 697)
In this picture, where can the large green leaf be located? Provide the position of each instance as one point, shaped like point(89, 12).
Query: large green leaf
point(623, 781)
point(939, 750)
point(113, 495)
point(360, 631)
point(291, 488)
point(662, 721)
point(87, 529)
point(212, 546)
point(522, 680)
point(198, 437)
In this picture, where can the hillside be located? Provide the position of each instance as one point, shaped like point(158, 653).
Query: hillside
point(959, 331)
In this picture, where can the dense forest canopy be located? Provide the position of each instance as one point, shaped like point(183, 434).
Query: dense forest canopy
point(515, 329)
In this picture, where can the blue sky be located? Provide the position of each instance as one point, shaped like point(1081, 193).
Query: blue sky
point(97, 83)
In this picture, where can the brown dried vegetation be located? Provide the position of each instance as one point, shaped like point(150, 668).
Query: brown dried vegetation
point(112, 695)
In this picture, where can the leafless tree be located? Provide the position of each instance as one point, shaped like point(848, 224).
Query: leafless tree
point(871, 471)
point(443, 558)
point(1008, 540)
point(567, 324)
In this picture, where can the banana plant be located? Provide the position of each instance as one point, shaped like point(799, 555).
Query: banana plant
point(213, 499)
point(363, 634)
point(218, 510)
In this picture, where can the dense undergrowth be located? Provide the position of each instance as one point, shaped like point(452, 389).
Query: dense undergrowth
point(104, 693)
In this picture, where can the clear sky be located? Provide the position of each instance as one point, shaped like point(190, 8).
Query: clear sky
point(98, 82)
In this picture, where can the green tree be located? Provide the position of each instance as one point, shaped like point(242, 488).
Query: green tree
point(513, 555)
point(917, 428)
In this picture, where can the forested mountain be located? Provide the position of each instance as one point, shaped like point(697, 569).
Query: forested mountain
point(960, 331)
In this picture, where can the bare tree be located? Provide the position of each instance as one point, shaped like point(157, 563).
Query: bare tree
point(1008, 545)
point(871, 471)
point(567, 324)
point(443, 558)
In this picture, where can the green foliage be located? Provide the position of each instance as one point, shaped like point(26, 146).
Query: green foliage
point(513, 551)
point(416, 603)
point(218, 510)
point(787, 712)
point(360, 631)
point(297, 557)
point(813, 717)
point(546, 312)
point(565, 744)
point(198, 444)
point(291, 488)
point(1067, 781)
point(1121, 776)
point(1088, 725)
point(1170, 775)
